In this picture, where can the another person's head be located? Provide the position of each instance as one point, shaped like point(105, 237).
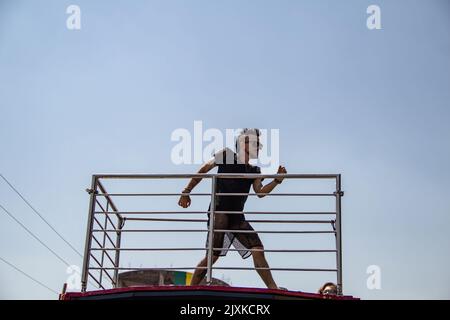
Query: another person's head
point(248, 142)
point(328, 288)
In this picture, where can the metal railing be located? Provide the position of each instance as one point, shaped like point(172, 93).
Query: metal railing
point(111, 228)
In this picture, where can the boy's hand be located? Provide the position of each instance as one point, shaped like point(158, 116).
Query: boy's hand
point(281, 170)
point(185, 201)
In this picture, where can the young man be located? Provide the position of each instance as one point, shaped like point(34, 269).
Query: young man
point(227, 161)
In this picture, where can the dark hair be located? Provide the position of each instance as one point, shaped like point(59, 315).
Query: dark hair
point(322, 288)
point(246, 132)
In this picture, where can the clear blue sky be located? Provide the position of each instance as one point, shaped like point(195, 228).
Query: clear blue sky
point(372, 105)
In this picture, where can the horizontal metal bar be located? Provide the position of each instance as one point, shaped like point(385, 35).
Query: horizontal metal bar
point(218, 175)
point(148, 194)
point(277, 212)
point(152, 230)
point(204, 230)
point(270, 231)
point(220, 268)
point(166, 219)
point(276, 269)
point(217, 194)
point(151, 249)
point(205, 220)
point(150, 269)
point(280, 250)
point(227, 212)
point(156, 212)
point(221, 249)
point(275, 194)
point(290, 221)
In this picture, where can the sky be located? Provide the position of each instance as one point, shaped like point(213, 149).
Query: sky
point(372, 105)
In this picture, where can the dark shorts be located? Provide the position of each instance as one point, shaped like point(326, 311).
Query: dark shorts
point(240, 241)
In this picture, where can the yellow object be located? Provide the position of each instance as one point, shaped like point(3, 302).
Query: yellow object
point(188, 278)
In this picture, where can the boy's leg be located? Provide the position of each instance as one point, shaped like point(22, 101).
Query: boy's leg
point(199, 272)
point(252, 240)
point(260, 262)
point(220, 222)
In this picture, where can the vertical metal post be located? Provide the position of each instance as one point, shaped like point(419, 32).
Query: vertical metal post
point(104, 241)
point(211, 231)
point(90, 224)
point(117, 257)
point(338, 195)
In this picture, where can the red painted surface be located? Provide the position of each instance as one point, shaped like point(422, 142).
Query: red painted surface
point(187, 289)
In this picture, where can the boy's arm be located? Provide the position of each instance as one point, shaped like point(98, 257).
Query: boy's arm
point(259, 188)
point(185, 200)
point(203, 169)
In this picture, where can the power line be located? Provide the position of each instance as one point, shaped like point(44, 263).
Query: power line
point(36, 237)
point(43, 219)
point(28, 276)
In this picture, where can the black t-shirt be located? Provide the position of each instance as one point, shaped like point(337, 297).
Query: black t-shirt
point(226, 161)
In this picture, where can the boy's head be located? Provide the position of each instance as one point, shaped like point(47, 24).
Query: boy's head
point(248, 142)
point(328, 288)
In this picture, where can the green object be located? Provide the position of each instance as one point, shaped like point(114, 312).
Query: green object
point(179, 278)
